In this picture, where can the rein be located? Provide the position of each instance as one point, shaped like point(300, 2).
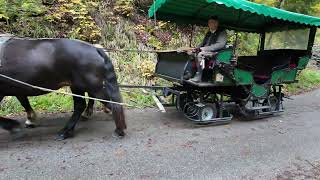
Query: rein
point(59, 92)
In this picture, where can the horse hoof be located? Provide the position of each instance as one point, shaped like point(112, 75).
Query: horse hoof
point(118, 133)
point(60, 137)
point(30, 124)
point(64, 135)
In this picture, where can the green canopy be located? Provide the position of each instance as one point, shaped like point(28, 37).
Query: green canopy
point(233, 14)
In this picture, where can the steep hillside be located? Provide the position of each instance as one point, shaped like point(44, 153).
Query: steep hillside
point(113, 24)
point(119, 24)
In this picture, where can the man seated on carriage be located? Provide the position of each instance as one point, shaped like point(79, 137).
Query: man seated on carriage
point(214, 40)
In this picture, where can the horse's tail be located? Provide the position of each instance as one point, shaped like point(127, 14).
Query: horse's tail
point(113, 91)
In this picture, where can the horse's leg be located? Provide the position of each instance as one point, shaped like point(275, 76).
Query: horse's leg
point(8, 124)
point(117, 110)
point(107, 108)
point(89, 110)
point(79, 107)
point(31, 114)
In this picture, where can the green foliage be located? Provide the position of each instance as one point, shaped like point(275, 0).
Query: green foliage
point(19, 8)
point(47, 103)
point(138, 98)
point(60, 18)
point(248, 44)
point(16, 14)
point(301, 6)
point(310, 7)
point(74, 17)
point(154, 42)
point(268, 3)
point(124, 7)
point(39, 27)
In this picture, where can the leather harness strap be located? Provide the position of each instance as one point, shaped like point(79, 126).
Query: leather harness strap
point(3, 39)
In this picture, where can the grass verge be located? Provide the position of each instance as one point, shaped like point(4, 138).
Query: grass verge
point(309, 79)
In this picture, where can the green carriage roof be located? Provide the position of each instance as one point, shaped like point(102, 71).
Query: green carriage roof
point(234, 14)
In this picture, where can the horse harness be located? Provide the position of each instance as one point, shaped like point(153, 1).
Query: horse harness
point(3, 39)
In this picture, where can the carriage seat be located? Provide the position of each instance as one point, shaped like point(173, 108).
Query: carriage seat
point(221, 56)
point(262, 66)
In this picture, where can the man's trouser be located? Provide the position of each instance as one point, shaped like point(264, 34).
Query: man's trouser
point(201, 57)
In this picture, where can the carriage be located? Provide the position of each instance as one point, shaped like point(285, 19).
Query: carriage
point(247, 85)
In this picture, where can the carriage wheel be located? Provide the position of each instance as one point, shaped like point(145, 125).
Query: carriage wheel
point(201, 113)
point(191, 111)
point(208, 112)
point(181, 101)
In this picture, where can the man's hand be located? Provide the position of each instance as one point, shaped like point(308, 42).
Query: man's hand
point(185, 49)
point(189, 50)
point(197, 50)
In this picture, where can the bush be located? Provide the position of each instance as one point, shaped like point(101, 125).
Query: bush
point(308, 80)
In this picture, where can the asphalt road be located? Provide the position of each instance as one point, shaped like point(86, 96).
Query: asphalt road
point(167, 146)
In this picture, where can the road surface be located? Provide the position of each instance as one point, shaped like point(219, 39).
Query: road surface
point(167, 146)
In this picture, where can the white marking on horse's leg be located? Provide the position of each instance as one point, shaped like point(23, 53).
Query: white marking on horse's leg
point(28, 122)
point(31, 119)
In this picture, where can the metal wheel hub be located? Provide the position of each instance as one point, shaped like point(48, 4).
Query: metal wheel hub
point(207, 113)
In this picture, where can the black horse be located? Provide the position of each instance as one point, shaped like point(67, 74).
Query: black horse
point(54, 63)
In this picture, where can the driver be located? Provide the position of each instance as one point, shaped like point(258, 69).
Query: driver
point(215, 39)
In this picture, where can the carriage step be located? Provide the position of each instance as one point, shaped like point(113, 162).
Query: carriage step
point(270, 113)
point(215, 121)
point(262, 115)
point(260, 107)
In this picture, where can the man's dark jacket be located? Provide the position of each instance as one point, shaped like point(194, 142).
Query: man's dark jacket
point(214, 41)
